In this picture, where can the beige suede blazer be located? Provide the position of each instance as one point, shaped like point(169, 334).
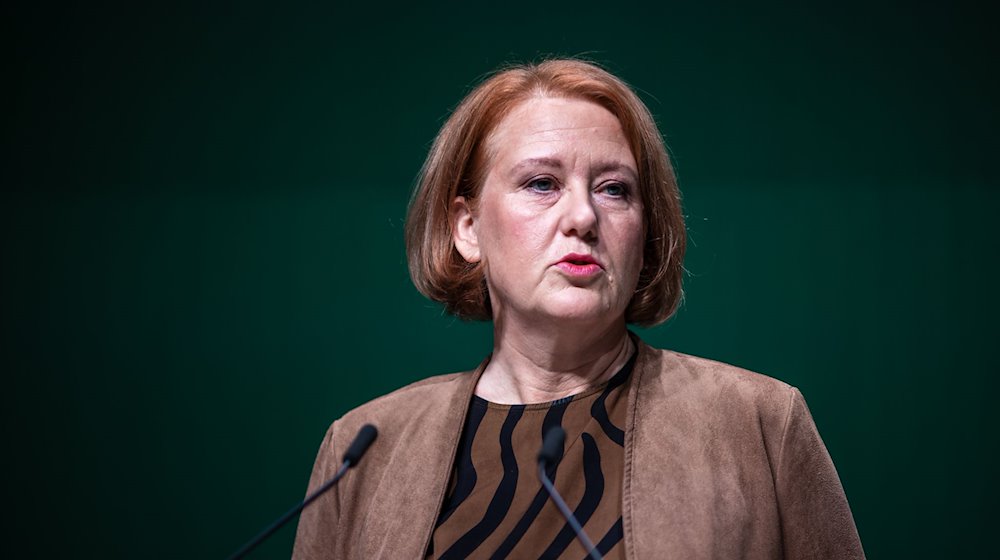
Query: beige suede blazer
point(720, 463)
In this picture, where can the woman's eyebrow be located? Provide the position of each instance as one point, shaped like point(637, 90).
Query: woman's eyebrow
point(555, 163)
point(537, 162)
point(616, 167)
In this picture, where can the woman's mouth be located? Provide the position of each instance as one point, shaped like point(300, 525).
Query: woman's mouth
point(577, 265)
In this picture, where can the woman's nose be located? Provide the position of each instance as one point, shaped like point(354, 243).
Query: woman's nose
point(579, 216)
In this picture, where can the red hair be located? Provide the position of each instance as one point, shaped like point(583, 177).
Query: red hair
point(459, 160)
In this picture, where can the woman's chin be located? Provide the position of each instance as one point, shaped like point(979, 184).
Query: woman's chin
point(576, 312)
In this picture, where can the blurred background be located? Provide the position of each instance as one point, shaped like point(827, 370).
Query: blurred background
point(201, 233)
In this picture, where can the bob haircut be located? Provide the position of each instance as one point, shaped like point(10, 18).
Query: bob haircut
point(459, 161)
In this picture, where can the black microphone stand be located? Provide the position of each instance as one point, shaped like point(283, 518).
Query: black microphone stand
point(552, 446)
point(270, 529)
point(354, 452)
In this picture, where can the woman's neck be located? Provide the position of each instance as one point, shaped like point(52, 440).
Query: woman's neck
point(534, 364)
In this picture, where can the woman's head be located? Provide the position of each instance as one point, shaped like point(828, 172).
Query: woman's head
point(466, 151)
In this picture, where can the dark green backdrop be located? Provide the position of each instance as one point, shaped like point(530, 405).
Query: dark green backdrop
point(202, 257)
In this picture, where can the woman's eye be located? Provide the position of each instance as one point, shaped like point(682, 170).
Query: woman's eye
point(542, 185)
point(616, 190)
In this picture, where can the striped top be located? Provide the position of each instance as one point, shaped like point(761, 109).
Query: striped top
point(495, 505)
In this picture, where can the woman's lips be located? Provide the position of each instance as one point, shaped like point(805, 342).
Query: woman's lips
point(578, 265)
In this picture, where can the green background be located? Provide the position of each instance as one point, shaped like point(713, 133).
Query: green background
point(203, 266)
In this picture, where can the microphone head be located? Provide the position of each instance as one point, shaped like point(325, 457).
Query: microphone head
point(552, 445)
point(366, 435)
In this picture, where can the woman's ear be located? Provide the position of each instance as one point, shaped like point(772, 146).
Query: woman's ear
point(463, 230)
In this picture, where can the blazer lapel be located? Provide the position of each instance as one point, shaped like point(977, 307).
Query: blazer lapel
point(405, 503)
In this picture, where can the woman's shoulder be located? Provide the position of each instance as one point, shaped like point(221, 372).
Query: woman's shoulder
point(422, 387)
point(712, 371)
point(672, 374)
point(413, 404)
point(700, 400)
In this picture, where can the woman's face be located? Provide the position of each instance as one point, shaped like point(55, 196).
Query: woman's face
point(559, 220)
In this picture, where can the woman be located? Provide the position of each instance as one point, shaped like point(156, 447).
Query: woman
point(548, 205)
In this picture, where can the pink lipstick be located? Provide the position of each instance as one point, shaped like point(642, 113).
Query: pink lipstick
point(575, 264)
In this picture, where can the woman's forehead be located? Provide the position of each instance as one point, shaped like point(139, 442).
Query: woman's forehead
point(547, 130)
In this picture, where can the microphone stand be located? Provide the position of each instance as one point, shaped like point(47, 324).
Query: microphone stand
point(366, 435)
point(270, 529)
point(552, 446)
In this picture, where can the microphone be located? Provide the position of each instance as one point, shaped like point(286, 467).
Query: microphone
point(366, 435)
point(552, 446)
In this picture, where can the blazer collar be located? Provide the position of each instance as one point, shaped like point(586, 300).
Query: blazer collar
point(443, 434)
